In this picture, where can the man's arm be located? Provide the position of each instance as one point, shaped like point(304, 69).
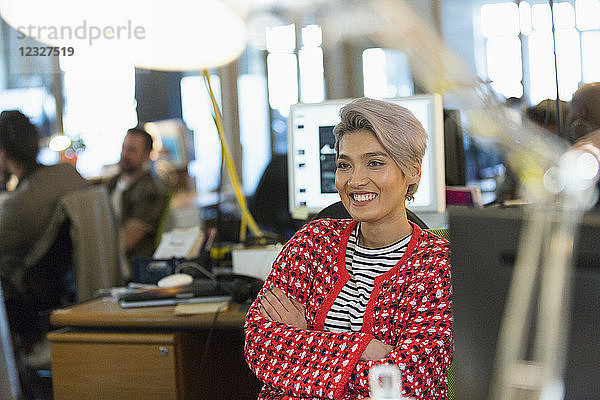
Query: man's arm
point(149, 204)
point(132, 233)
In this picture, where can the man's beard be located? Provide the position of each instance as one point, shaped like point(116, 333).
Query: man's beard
point(126, 167)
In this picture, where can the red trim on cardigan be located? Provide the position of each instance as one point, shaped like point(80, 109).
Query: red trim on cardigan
point(368, 317)
point(344, 276)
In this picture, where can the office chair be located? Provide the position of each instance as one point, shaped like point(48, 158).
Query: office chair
point(441, 232)
point(269, 205)
point(338, 211)
point(77, 254)
point(10, 386)
point(44, 285)
point(94, 237)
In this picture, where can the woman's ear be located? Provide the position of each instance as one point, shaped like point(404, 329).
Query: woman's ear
point(414, 175)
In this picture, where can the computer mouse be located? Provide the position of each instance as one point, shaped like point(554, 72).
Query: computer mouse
point(175, 280)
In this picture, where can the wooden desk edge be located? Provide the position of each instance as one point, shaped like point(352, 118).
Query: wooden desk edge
point(106, 313)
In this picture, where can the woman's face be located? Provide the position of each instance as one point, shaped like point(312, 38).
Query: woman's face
point(371, 185)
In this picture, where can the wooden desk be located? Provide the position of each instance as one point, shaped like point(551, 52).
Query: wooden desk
point(103, 351)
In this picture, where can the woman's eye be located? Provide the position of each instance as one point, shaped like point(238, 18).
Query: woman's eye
point(375, 163)
point(343, 165)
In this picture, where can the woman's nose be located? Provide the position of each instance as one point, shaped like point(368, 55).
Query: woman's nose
point(358, 178)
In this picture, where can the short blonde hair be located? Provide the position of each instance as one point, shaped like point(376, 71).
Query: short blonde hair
point(397, 129)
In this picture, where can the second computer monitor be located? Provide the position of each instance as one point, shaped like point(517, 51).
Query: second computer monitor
point(484, 249)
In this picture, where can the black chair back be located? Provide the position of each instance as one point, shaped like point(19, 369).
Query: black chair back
point(338, 211)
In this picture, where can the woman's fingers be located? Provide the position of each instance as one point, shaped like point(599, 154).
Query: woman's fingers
point(283, 300)
point(299, 306)
point(271, 306)
point(275, 305)
point(263, 311)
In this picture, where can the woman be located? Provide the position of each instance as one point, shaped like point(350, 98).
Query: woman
point(345, 295)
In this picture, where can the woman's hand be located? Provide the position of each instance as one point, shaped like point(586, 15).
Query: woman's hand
point(276, 306)
point(376, 350)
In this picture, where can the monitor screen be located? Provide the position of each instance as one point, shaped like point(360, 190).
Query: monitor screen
point(484, 246)
point(454, 149)
point(172, 141)
point(35, 102)
point(312, 164)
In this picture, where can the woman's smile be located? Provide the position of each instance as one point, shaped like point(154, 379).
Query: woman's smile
point(361, 199)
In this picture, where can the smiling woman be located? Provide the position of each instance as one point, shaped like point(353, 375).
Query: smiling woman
point(346, 295)
point(372, 187)
point(373, 178)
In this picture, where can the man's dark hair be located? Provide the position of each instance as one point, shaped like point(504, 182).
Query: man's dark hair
point(19, 138)
point(144, 135)
point(544, 113)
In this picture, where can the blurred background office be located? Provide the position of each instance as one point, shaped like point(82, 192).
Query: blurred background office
point(534, 55)
point(506, 44)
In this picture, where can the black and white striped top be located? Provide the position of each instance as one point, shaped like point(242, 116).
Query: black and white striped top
point(363, 265)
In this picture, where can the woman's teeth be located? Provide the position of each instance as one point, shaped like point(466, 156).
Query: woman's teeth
point(364, 197)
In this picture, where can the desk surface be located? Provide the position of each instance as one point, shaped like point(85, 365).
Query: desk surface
point(106, 312)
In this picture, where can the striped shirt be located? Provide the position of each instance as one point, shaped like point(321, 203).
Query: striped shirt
point(363, 265)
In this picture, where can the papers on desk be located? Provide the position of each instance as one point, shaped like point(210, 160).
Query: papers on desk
point(180, 243)
point(200, 308)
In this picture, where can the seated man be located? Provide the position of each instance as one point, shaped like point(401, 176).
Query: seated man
point(584, 121)
point(584, 111)
point(544, 114)
point(139, 199)
point(26, 211)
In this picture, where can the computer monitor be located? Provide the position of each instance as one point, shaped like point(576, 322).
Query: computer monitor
point(311, 155)
point(454, 149)
point(35, 102)
point(484, 245)
point(173, 141)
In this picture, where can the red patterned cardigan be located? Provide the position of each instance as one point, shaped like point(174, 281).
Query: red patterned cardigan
point(409, 308)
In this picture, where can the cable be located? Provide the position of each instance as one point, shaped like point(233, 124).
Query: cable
point(191, 264)
point(247, 219)
point(558, 116)
point(204, 356)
